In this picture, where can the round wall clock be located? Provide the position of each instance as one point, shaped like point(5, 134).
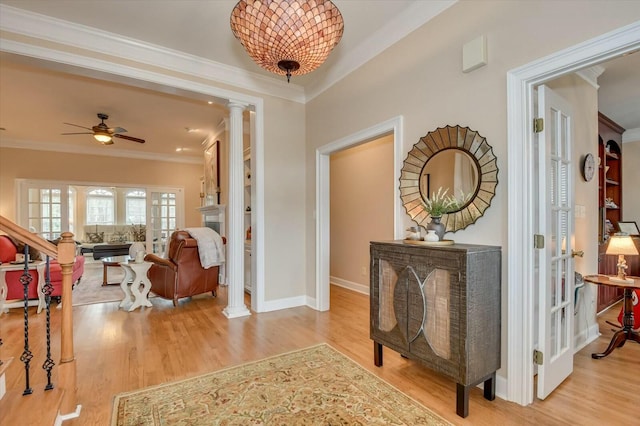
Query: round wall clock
point(588, 167)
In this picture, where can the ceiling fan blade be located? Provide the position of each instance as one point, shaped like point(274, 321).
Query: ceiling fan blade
point(118, 130)
point(82, 133)
point(129, 138)
point(82, 127)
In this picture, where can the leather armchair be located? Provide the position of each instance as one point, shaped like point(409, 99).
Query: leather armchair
point(181, 274)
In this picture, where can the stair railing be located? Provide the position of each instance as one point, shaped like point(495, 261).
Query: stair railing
point(64, 252)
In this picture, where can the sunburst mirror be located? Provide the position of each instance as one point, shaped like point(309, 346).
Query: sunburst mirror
point(454, 158)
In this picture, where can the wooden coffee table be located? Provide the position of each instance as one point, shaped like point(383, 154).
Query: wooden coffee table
point(111, 261)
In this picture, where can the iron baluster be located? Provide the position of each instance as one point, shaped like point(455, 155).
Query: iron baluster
point(26, 356)
point(47, 290)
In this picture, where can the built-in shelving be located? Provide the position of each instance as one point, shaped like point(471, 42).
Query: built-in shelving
point(609, 202)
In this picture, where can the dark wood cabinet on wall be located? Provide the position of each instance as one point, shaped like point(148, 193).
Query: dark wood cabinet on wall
point(609, 202)
point(439, 305)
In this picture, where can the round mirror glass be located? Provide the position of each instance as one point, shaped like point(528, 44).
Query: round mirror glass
point(455, 171)
point(454, 159)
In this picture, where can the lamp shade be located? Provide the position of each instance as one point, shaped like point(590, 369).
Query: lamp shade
point(287, 37)
point(621, 244)
point(103, 137)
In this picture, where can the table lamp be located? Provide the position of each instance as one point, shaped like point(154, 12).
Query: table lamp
point(621, 244)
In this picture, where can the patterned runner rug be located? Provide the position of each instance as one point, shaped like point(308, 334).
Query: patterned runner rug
point(313, 386)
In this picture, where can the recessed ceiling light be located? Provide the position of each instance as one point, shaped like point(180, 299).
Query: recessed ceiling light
point(190, 130)
point(210, 102)
point(179, 149)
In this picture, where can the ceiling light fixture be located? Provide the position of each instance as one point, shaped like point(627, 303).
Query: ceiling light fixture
point(103, 137)
point(287, 37)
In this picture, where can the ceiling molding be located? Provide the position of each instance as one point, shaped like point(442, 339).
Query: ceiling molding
point(19, 21)
point(95, 150)
point(631, 135)
point(591, 74)
point(410, 19)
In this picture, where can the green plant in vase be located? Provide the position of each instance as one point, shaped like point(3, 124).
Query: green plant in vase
point(440, 203)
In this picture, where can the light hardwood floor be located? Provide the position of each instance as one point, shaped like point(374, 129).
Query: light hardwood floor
point(118, 351)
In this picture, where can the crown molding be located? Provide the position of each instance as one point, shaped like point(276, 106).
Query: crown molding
point(631, 135)
point(591, 74)
point(94, 150)
point(410, 19)
point(38, 26)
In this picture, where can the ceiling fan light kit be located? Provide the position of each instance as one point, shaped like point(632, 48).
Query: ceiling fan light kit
point(103, 133)
point(103, 138)
point(287, 37)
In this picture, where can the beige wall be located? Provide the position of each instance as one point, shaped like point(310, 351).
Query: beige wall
point(80, 168)
point(630, 180)
point(361, 207)
point(420, 78)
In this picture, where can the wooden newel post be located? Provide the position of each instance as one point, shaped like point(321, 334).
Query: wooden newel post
point(67, 370)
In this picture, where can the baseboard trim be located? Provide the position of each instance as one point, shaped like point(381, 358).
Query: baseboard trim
point(62, 417)
point(290, 302)
point(586, 336)
point(350, 285)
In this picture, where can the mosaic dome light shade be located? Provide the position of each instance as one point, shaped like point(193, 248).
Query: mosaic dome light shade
point(287, 37)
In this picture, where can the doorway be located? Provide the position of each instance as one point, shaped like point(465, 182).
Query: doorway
point(520, 272)
point(323, 214)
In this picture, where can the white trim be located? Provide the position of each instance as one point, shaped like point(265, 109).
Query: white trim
point(591, 74)
point(286, 303)
point(631, 135)
point(322, 213)
point(73, 415)
point(55, 30)
point(95, 150)
point(520, 85)
point(398, 27)
point(349, 285)
point(96, 68)
point(585, 337)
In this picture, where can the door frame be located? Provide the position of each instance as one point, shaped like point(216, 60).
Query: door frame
point(521, 82)
point(392, 126)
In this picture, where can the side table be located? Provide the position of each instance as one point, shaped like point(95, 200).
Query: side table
point(108, 262)
point(135, 274)
point(626, 333)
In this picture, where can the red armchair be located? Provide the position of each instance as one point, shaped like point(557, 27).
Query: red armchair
point(14, 288)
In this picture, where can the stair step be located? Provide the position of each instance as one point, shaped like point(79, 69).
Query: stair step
point(3, 378)
point(38, 409)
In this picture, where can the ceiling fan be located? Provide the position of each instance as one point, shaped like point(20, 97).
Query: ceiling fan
point(103, 133)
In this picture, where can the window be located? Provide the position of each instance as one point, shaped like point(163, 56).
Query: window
point(101, 207)
point(135, 207)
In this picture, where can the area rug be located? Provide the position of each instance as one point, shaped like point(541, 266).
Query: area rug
point(312, 386)
point(90, 290)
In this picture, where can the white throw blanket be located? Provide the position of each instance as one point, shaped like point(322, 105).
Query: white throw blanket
point(210, 246)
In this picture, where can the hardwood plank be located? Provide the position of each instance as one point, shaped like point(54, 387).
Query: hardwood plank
point(120, 351)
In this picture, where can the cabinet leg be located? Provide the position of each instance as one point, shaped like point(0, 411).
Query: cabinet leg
point(377, 354)
point(490, 387)
point(462, 400)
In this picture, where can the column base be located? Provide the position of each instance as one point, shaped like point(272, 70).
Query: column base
point(236, 312)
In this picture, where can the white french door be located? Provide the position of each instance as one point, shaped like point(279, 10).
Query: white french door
point(165, 215)
point(46, 208)
point(555, 270)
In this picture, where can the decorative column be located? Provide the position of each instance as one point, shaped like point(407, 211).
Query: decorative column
point(235, 232)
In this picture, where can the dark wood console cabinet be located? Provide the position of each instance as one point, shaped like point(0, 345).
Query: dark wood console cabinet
point(439, 305)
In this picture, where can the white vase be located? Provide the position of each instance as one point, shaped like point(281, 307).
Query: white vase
point(137, 247)
point(431, 236)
